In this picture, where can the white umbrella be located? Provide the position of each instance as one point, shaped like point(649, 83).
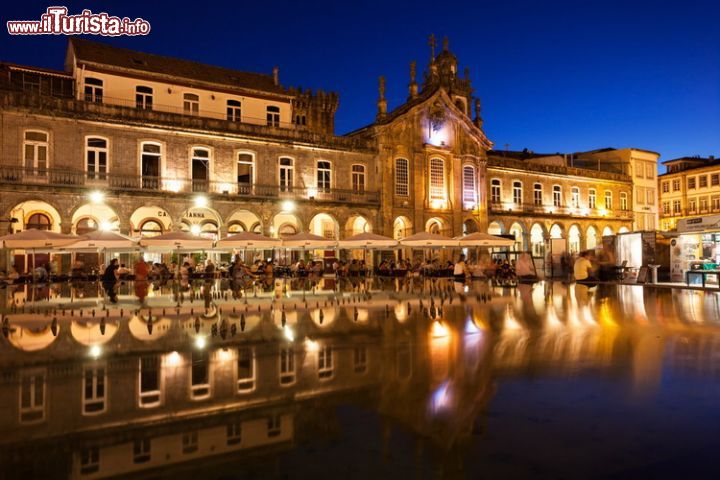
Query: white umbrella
point(428, 240)
point(308, 241)
point(37, 239)
point(480, 239)
point(367, 241)
point(174, 241)
point(100, 240)
point(247, 240)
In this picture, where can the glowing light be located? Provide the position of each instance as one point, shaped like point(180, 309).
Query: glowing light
point(471, 327)
point(470, 205)
point(95, 351)
point(437, 204)
point(200, 342)
point(439, 330)
point(105, 226)
point(312, 346)
point(288, 206)
point(312, 193)
point(173, 359)
point(225, 187)
point(224, 355)
point(97, 197)
point(200, 201)
point(173, 185)
point(288, 333)
point(603, 212)
point(511, 322)
point(441, 397)
point(195, 229)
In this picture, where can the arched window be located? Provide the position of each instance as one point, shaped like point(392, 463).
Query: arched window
point(150, 228)
point(591, 239)
point(85, 225)
point(402, 177)
point(143, 97)
point(556, 231)
point(516, 231)
point(35, 152)
point(324, 175)
point(209, 230)
point(557, 195)
point(96, 158)
point(574, 239)
point(537, 194)
point(286, 230)
point(517, 192)
point(286, 173)
point(273, 116)
point(470, 192)
point(608, 200)
point(495, 191)
point(245, 172)
point(200, 169)
point(234, 111)
point(537, 241)
point(437, 179)
point(235, 227)
point(358, 178)
point(38, 221)
point(191, 104)
point(93, 90)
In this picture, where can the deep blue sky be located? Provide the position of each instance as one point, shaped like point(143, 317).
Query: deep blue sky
point(553, 76)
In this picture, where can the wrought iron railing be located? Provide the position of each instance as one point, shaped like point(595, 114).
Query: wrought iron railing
point(531, 208)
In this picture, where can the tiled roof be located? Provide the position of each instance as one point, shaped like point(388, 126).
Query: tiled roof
point(103, 54)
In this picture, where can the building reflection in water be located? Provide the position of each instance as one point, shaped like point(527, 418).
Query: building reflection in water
point(114, 390)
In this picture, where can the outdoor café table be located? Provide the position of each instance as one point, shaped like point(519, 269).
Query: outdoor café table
point(703, 274)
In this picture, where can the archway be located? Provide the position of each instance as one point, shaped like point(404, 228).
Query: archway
point(202, 221)
point(356, 225)
point(470, 226)
point(516, 230)
point(402, 227)
point(556, 231)
point(495, 228)
point(91, 217)
point(623, 229)
point(37, 215)
point(436, 226)
point(608, 231)
point(243, 221)
point(591, 240)
point(574, 239)
point(537, 240)
point(324, 225)
point(150, 221)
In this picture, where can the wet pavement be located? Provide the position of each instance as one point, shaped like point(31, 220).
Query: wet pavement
point(358, 379)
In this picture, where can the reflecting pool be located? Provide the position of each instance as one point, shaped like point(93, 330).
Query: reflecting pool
point(320, 378)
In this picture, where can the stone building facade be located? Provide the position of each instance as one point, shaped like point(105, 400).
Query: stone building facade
point(689, 189)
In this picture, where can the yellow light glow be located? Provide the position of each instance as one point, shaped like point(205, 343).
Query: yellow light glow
point(173, 359)
point(97, 196)
point(312, 192)
point(288, 206)
point(195, 229)
point(173, 185)
point(95, 351)
point(312, 346)
point(226, 187)
point(200, 342)
point(224, 355)
point(200, 201)
point(105, 226)
point(439, 330)
point(288, 333)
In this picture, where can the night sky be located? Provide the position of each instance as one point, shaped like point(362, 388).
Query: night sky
point(552, 76)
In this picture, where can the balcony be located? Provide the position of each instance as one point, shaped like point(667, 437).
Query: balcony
point(52, 178)
point(551, 210)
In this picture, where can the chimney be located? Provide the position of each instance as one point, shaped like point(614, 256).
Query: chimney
point(276, 75)
point(413, 87)
point(381, 103)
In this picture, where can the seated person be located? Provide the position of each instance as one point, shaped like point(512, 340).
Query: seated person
point(583, 269)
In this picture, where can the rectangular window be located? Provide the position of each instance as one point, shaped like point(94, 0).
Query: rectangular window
point(650, 196)
point(324, 175)
point(517, 193)
point(639, 195)
point(200, 169)
point(469, 186)
point(702, 181)
point(325, 362)
point(714, 180)
point(692, 205)
point(89, 460)
point(234, 111)
point(32, 397)
point(273, 116)
point(715, 204)
point(200, 374)
point(35, 151)
point(141, 450)
point(287, 366)
point(623, 201)
point(665, 187)
point(93, 90)
point(360, 359)
point(94, 381)
point(666, 208)
point(592, 198)
point(691, 182)
point(191, 104)
point(287, 171)
point(537, 195)
point(150, 165)
point(274, 426)
point(650, 170)
point(245, 369)
point(495, 191)
point(676, 185)
point(676, 207)
point(437, 179)
point(190, 442)
point(575, 197)
point(245, 172)
point(557, 196)
point(144, 98)
point(703, 204)
point(234, 433)
point(402, 178)
point(149, 381)
point(96, 155)
point(639, 169)
point(608, 200)
point(358, 178)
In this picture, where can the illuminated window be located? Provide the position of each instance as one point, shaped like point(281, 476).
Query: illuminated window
point(575, 197)
point(608, 199)
point(324, 175)
point(150, 228)
point(287, 171)
point(358, 178)
point(245, 369)
point(93, 90)
point(437, 179)
point(592, 198)
point(537, 241)
point(325, 362)
point(469, 185)
point(94, 381)
point(676, 185)
point(234, 111)
point(537, 194)
point(149, 378)
point(32, 396)
point(517, 193)
point(676, 207)
point(245, 171)
point(35, 152)
point(38, 221)
point(692, 205)
point(287, 366)
point(191, 104)
point(666, 208)
point(715, 203)
point(273, 116)
point(557, 195)
point(640, 195)
point(665, 187)
point(703, 204)
point(402, 179)
point(495, 191)
point(200, 374)
point(650, 197)
point(143, 97)
point(96, 158)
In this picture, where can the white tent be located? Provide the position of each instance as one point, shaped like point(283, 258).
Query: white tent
point(308, 241)
point(247, 241)
point(100, 240)
point(43, 240)
point(367, 241)
point(176, 241)
point(480, 239)
point(428, 240)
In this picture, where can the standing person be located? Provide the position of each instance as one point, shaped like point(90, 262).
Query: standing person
point(141, 270)
point(110, 279)
point(460, 271)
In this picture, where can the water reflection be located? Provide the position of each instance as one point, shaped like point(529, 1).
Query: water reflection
point(177, 372)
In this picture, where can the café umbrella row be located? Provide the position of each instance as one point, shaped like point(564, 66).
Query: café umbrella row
point(42, 241)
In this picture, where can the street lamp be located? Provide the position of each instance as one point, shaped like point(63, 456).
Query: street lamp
point(97, 196)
